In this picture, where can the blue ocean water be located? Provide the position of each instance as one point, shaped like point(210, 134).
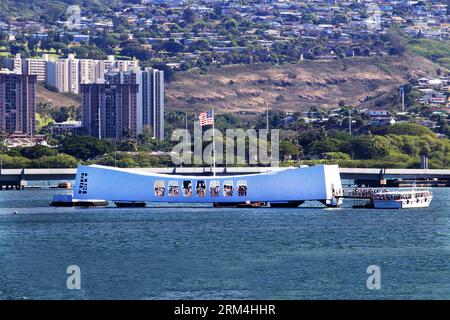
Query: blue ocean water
point(207, 253)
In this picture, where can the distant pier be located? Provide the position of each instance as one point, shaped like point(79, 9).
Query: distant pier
point(373, 177)
point(361, 177)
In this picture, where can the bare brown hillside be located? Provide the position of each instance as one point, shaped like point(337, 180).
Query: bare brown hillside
point(55, 99)
point(293, 87)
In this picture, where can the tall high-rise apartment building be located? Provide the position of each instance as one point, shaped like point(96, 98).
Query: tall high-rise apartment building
point(63, 74)
point(17, 103)
point(87, 69)
point(145, 108)
point(151, 100)
point(109, 110)
point(30, 66)
point(14, 64)
point(66, 75)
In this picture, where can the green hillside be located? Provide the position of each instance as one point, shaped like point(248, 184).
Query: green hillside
point(437, 51)
point(54, 8)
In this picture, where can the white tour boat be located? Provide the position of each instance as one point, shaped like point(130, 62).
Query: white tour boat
point(415, 198)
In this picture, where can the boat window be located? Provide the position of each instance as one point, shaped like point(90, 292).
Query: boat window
point(187, 188)
point(159, 188)
point(201, 188)
point(214, 188)
point(174, 189)
point(228, 188)
point(242, 188)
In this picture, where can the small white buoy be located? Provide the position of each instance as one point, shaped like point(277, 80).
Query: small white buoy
point(15, 212)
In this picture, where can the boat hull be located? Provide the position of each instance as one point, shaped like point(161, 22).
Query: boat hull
point(401, 204)
point(131, 204)
point(67, 200)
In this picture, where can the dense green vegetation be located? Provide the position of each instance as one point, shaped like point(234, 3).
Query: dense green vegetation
point(396, 146)
point(388, 151)
point(437, 51)
point(52, 10)
point(81, 149)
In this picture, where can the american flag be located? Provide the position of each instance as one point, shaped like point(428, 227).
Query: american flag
point(206, 118)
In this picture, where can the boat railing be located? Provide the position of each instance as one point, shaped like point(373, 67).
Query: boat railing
point(411, 195)
point(362, 193)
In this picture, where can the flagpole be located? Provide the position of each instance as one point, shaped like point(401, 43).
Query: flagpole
point(186, 136)
point(214, 143)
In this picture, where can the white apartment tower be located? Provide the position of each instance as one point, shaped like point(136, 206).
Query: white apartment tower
point(66, 75)
point(29, 66)
point(15, 64)
point(87, 69)
point(63, 74)
point(150, 101)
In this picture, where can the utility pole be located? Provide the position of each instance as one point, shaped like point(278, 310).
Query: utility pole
point(214, 142)
point(115, 152)
point(350, 121)
point(4, 140)
point(402, 93)
point(1, 159)
point(185, 134)
point(267, 119)
point(99, 123)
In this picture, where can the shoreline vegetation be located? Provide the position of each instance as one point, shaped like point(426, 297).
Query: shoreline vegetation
point(397, 146)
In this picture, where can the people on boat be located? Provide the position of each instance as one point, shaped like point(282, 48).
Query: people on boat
point(173, 191)
point(242, 191)
point(187, 188)
point(362, 192)
point(214, 191)
point(159, 191)
point(385, 195)
point(201, 188)
point(228, 190)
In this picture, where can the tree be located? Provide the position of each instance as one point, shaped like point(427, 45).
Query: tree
point(410, 129)
point(340, 18)
point(57, 161)
point(16, 48)
point(128, 145)
point(58, 46)
point(425, 151)
point(136, 51)
point(173, 46)
point(366, 52)
point(188, 15)
point(367, 147)
point(288, 150)
point(61, 115)
point(200, 45)
point(309, 18)
point(32, 44)
point(230, 24)
point(37, 151)
point(84, 147)
point(146, 136)
point(396, 42)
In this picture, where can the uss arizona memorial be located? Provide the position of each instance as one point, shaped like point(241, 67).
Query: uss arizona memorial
point(284, 187)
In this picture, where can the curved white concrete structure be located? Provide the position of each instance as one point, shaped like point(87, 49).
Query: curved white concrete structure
point(321, 183)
